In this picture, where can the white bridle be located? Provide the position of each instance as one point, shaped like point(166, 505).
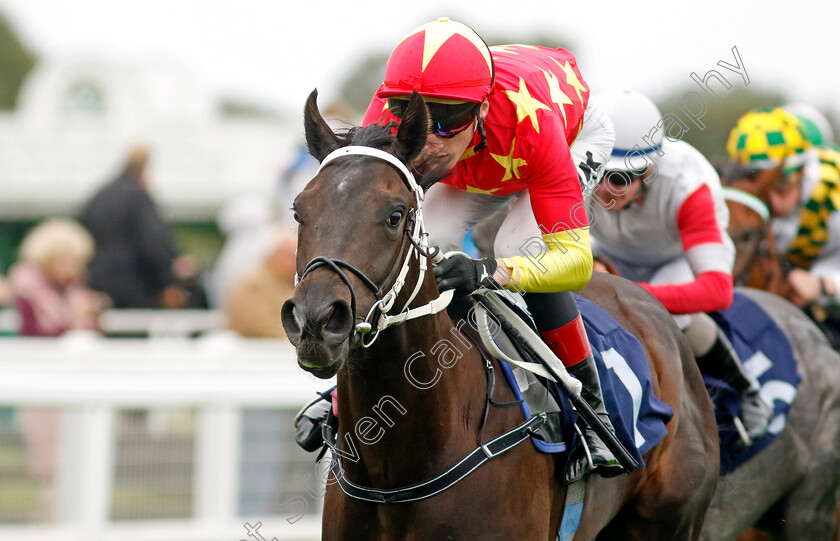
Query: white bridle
point(418, 247)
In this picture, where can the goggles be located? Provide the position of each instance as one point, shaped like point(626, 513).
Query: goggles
point(621, 179)
point(448, 119)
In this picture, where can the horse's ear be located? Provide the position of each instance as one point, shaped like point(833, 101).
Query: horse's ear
point(320, 139)
point(413, 130)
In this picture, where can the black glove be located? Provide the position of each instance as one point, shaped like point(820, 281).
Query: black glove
point(466, 275)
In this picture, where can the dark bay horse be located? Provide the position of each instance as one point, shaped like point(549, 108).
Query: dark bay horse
point(411, 398)
point(790, 489)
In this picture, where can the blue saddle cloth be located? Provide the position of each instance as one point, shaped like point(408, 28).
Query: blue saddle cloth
point(767, 355)
point(639, 417)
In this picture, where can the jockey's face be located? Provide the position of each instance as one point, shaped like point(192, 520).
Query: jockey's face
point(620, 188)
point(443, 151)
point(784, 196)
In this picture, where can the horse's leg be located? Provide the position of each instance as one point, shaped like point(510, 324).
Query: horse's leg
point(810, 511)
point(669, 497)
point(675, 495)
point(807, 454)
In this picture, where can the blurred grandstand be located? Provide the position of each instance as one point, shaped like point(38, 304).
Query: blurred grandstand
point(167, 427)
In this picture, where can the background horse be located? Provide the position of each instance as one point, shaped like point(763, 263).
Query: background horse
point(413, 403)
point(758, 264)
point(789, 490)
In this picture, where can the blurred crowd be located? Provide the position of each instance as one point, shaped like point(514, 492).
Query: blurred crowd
point(120, 253)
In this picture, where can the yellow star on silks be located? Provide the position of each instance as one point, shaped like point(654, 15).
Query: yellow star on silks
point(437, 34)
point(557, 95)
point(473, 189)
point(526, 106)
point(510, 163)
point(469, 153)
point(572, 79)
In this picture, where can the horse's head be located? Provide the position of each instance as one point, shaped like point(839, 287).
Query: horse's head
point(357, 219)
point(756, 259)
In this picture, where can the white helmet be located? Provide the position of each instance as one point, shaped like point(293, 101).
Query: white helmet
point(634, 117)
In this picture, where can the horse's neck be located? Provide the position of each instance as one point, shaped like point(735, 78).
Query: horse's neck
point(419, 391)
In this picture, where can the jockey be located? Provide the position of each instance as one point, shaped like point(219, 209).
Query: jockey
point(504, 120)
point(805, 196)
point(659, 216)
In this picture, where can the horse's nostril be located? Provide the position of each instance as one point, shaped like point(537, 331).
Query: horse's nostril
point(338, 320)
point(289, 317)
point(328, 317)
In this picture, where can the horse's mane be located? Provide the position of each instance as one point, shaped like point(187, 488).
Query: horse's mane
point(730, 172)
point(382, 136)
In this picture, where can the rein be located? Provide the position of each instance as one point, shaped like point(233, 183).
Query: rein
point(377, 318)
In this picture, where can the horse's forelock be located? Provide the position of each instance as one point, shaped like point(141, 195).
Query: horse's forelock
point(381, 136)
point(375, 135)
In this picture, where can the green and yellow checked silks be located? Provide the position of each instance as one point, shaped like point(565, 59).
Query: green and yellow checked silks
point(813, 221)
point(763, 138)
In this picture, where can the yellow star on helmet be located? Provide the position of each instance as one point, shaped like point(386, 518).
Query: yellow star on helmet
point(526, 106)
point(572, 79)
point(437, 34)
point(510, 163)
point(557, 95)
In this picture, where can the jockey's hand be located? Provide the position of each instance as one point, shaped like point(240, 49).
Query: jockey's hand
point(805, 287)
point(466, 275)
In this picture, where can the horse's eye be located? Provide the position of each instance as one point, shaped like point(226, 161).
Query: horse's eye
point(395, 218)
point(296, 217)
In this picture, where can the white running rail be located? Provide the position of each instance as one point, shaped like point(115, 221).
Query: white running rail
point(88, 378)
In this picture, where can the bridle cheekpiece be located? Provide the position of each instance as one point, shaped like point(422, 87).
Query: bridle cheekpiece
point(377, 318)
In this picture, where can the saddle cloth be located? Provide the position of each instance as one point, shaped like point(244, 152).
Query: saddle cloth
point(638, 416)
point(768, 356)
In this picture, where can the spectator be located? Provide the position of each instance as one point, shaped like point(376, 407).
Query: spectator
point(245, 221)
point(6, 294)
point(135, 257)
point(48, 281)
point(254, 301)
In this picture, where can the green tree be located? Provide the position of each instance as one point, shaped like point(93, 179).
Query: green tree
point(362, 80)
point(15, 62)
point(720, 116)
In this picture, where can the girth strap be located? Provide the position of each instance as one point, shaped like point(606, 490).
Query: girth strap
point(447, 479)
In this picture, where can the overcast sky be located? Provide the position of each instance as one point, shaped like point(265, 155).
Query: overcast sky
point(275, 52)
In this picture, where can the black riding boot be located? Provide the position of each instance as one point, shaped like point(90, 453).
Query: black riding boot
point(722, 362)
point(308, 425)
point(603, 461)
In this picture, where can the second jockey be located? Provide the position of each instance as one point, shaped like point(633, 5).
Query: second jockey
point(659, 216)
point(510, 123)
